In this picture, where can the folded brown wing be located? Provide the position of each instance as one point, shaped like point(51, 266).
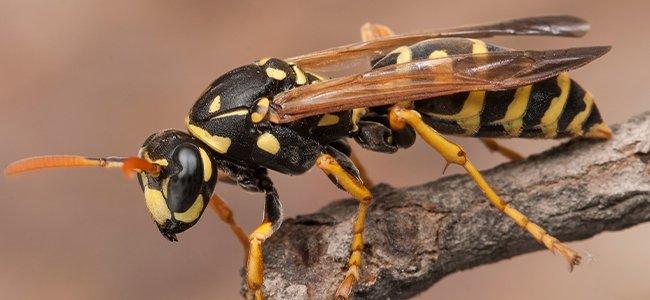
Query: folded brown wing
point(359, 55)
point(430, 78)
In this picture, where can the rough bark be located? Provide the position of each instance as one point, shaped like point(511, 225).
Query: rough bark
point(417, 235)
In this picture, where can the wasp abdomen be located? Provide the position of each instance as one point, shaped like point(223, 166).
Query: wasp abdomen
point(552, 108)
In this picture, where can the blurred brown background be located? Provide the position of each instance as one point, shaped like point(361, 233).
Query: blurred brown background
point(97, 77)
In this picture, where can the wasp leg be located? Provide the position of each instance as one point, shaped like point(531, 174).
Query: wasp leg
point(255, 264)
point(225, 214)
point(454, 154)
point(351, 184)
point(362, 170)
point(493, 146)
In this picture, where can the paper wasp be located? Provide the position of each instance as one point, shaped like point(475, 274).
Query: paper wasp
point(284, 115)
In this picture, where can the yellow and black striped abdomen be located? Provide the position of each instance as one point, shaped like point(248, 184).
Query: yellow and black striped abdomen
point(552, 108)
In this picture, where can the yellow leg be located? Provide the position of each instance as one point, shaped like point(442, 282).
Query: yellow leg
point(226, 215)
point(503, 150)
point(255, 264)
point(453, 153)
point(355, 188)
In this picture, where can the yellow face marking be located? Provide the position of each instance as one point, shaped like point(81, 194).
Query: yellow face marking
point(357, 113)
point(276, 74)
point(268, 143)
point(575, 127)
point(161, 162)
point(301, 78)
point(218, 143)
point(192, 213)
point(513, 120)
point(215, 105)
point(328, 119)
point(155, 202)
point(552, 114)
point(263, 61)
point(404, 54)
point(164, 187)
point(207, 165)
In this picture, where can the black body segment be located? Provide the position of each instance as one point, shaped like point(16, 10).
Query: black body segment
point(230, 118)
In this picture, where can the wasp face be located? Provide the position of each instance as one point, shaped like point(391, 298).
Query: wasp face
point(178, 194)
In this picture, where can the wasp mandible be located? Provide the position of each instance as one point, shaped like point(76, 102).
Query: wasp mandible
point(285, 115)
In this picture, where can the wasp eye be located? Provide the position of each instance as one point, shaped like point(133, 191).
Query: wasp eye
point(185, 185)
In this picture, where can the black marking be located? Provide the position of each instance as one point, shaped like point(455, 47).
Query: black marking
point(496, 105)
point(593, 119)
point(541, 95)
point(574, 105)
point(443, 126)
point(443, 105)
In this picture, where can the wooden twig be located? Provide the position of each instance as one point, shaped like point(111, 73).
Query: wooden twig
point(417, 235)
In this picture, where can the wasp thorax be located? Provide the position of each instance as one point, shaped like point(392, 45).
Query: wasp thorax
point(177, 196)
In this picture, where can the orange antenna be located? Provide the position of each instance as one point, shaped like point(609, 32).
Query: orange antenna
point(128, 164)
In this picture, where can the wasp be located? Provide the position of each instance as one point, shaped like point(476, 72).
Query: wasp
point(289, 115)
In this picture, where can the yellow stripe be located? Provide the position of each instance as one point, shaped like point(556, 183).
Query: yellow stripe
point(236, 112)
point(192, 213)
point(217, 143)
point(438, 54)
point(575, 127)
point(512, 121)
point(207, 165)
point(552, 114)
point(478, 46)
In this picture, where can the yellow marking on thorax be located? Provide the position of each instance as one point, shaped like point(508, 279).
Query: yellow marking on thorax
point(207, 165)
point(301, 78)
point(236, 112)
point(575, 127)
point(268, 143)
point(261, 109)
point(404, 54)
point(552, 114)
point(357, 113)
point(513, 120)
point(215, 105)
point(155, 202)
point(262, 61)
point(328, 119)
point(218, 143)
point(192, 213)
point(276, 74)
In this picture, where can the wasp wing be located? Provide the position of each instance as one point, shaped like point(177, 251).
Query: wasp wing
point(356, 55)
point(424, 79)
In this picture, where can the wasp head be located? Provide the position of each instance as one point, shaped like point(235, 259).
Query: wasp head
point(179, 191)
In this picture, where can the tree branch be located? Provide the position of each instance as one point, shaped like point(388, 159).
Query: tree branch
point(417, 235)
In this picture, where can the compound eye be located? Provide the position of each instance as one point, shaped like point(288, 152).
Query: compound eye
point(184, 186)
